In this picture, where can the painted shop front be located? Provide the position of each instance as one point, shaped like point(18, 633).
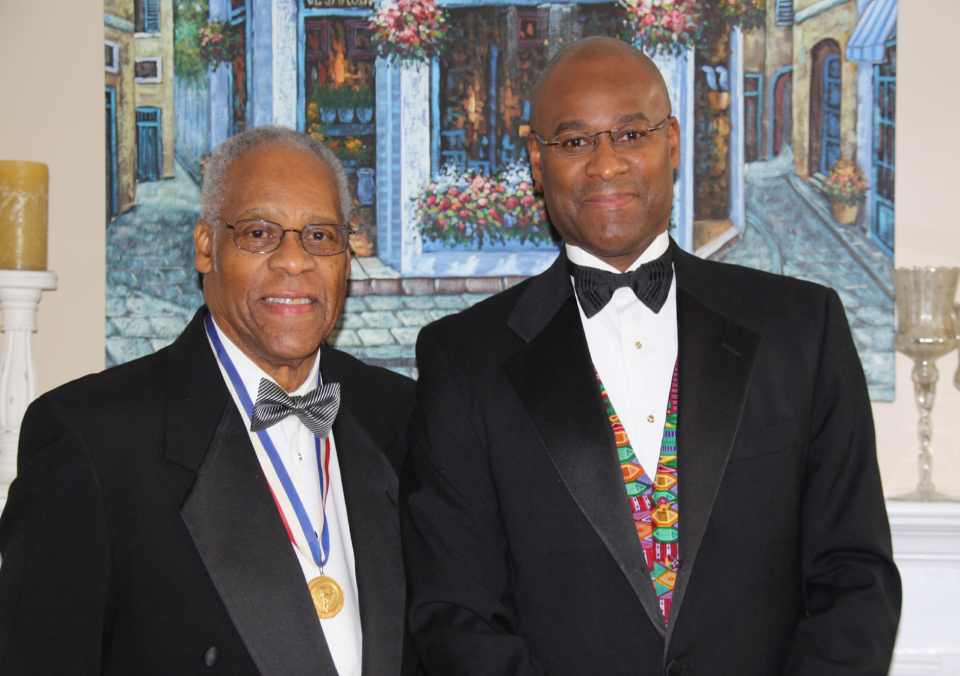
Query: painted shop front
point(435, 146)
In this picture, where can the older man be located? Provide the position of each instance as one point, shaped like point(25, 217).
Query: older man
point(639, 462)
point(231, 500)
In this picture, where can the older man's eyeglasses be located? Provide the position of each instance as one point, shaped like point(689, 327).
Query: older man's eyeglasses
point(631, 136)
point(258, 236)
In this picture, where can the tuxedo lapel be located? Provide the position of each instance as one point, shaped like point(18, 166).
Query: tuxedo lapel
point(556, 382)
point(715, 361)
point(233, 519)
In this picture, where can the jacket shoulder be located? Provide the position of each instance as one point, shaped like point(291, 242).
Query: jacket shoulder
point(481, 321)
point(114, 390)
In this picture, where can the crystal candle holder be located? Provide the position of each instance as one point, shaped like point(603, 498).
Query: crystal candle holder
point(925, 332)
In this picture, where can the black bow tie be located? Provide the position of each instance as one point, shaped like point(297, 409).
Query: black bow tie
point(650, 282)
point(316, 409)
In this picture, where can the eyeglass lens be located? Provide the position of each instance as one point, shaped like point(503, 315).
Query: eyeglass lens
point(263, 237)
point(581, 142)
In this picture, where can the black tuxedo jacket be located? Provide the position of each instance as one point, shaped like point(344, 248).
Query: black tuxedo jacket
point(522, 557)
point(140, 531)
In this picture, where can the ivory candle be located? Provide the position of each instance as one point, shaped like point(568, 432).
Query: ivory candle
point(23, 215)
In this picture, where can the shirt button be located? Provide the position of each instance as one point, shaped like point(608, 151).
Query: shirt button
point(650, 419)
point(639, 345)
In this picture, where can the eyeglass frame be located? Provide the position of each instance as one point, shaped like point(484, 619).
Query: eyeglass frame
point(596, 138)
point(346, 229)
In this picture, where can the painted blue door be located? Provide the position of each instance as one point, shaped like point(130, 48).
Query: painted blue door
point(111, 136)
point(830, 143)
point(884, 146)
point(149, 153)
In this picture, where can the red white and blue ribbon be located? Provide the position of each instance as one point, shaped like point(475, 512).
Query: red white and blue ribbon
point(299, 529)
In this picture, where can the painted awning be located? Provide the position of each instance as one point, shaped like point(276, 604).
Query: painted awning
point(876, 25)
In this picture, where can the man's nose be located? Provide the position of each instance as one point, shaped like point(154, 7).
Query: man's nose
point(607, 160)
point(290, 256)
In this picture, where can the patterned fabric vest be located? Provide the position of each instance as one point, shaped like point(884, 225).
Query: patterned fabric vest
point(654, 503)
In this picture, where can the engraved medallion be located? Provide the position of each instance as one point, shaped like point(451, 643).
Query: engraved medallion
point(327, 596)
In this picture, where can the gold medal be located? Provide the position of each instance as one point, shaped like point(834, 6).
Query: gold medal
point(327, 596)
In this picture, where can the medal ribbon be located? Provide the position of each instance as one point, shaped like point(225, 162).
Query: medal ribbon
point(284, 492)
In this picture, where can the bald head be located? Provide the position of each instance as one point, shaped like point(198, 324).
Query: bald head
point(601, 53)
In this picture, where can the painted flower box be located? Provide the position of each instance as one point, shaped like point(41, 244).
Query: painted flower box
point(468, 211)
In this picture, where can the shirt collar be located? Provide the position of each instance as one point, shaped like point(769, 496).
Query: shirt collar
point(251, 374)
point(656, 249)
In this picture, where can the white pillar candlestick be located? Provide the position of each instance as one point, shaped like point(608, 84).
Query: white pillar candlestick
point(20, 292)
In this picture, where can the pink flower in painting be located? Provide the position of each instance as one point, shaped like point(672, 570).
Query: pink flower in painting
point(444, 203)
point(524, 221)
point(512, 202)
point(453, 191)
point(464, 214)
point(483, 201)
point(528, 200)
point(431, 200)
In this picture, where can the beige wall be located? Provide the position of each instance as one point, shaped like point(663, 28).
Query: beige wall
point(51, 74)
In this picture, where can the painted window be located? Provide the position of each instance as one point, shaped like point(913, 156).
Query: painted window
point(147, 16)
point(482, 92)
point(148, 69)
point(884, 146)
point(784, 12)
point(111, 56)
point(753, 112)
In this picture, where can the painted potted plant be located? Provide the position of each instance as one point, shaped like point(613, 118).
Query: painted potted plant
point(325, 99)
point(846, 188)
point(345, 104)
point(363, 100)
point(218, 42)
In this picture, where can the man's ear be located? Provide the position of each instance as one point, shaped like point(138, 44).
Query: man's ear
point(203, 247)
point(533, 149)
point(673, 137)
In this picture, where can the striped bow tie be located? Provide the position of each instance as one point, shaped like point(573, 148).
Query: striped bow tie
point(316, 409)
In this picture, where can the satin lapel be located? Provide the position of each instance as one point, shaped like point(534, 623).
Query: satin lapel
point(370, 492)
point(233, 519)
point(556, 382)
point(241, 538)
point(715, 359)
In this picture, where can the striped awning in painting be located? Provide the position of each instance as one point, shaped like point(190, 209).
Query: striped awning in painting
point(876, 25)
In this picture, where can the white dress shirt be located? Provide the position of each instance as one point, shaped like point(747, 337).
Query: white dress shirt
point(296, 447)
point(634, 351)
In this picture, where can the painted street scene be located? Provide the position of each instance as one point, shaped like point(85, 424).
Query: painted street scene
point(787, 111)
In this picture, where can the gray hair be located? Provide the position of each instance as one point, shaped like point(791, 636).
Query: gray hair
point(213, 193)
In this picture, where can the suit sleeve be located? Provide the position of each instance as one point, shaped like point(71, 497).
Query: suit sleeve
point(850, 584)
point(460, 606)
point(55, 589)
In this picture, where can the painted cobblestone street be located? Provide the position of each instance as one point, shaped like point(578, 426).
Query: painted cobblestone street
point(790, 231)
